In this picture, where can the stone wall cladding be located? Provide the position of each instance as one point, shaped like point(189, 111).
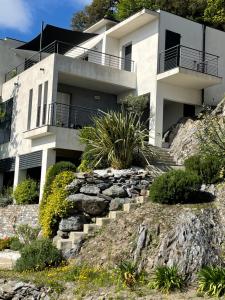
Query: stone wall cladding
point(14, 215)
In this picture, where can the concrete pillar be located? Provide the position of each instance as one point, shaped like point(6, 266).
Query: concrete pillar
point(19, 175)
point(1, 181)
point(48, 159)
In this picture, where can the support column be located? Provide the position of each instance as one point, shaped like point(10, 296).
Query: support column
point(48, 159)
point(1, 181)
point(19, 175)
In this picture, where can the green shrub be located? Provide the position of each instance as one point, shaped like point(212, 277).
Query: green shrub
point(128, 273)
point(167, 279)
point(209, 168)
point(6, 197)
point(26, 192)
point(52, 172)
point(15, 244)
point(114, 138)
point(5, 243)
point(40, 254)
point(211, 281)
point(173, 187)
point(26, 234)
point(56, 205)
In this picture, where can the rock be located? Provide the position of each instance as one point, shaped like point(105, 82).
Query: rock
point(74, 223)
point(8, 259)
point(74, 185)
point(90, 189)
point(91, 205)
point(115, 191)
point(72, 253)
point(193, 243)
point(104, 185)
point(117, 203)
point(63, 234)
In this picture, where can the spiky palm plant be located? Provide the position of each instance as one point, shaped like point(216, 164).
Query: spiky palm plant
point(114, 138)
point(212, 281)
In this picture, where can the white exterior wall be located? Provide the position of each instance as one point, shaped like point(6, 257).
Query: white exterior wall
point(29, 79)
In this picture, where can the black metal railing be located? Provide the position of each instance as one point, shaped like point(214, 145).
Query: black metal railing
point(76, 52)
point(188, 58)
point(70, 116)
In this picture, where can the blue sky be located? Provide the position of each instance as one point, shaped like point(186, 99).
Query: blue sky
point(21, 19)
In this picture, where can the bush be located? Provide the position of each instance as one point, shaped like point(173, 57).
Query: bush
point(212, 281)
point(26, 192)
point(56, 205)
point(26, 234)
point(173, 187)
point(52, 172)
point(128, 273)
point(6, 197)
point(209, 168)
point(15, 244)
point(5, 243)
point(167, 279)
point(40, 254)
point(114, 138)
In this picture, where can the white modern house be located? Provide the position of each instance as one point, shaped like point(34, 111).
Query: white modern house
point(48, 95)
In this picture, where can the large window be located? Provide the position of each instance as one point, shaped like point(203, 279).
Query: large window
point(29, 109)
point(6, 109)
point(45, 103)
point(38, 120)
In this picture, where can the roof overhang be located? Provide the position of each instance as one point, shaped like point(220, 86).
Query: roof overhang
point(100, 24)
point(132, 23)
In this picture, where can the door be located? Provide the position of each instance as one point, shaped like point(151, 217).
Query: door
point(172, 53)
point(127, 57)
point(63, 110)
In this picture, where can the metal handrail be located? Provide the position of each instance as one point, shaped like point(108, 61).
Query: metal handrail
point(189, 58)
point(64, 48)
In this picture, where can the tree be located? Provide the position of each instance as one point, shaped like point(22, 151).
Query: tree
point(215, 13)
point(93, 13)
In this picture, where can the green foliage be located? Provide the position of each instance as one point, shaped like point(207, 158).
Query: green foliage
point(208, 168)
point(40, 254)
point(114, 138)
point(27, 234)
point(16, 244)
point(135, 104)
point(128, 273)
point(173, 187)
point(5, 243)
point(167, 279)
point(26, 192)
point(211, 281)
point(6, 197)
point(52, 172)
point(211, 136)
point(215, 13)
point(56, 206)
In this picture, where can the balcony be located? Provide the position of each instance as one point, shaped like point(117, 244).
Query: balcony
point(187, 67)
point(63, 116)
point(74, 52)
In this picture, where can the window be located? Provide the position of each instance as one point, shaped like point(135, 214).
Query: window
point(128, 57)
point(172, 53)
point(45, 103)
point(38, 120)
point(6, 109)
point(29, 109)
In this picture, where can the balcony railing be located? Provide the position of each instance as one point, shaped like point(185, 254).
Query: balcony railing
point(75, 52)
point(70, 116)
point(188, 58)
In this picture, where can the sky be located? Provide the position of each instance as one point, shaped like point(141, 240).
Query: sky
point(21, 19)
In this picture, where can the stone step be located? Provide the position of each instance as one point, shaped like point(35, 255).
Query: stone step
point(89, 228)
point(102, 221)
point(115, 214)
point(75, 236)
point(64, 244)
point(127, 207)
point(140, 199)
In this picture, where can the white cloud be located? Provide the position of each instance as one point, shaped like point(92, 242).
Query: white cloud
point(15, 14)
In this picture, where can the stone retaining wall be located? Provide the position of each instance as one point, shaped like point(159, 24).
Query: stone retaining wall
point(13, 215)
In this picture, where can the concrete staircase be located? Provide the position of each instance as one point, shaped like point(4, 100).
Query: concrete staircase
point(90, 229)
point(163, 157)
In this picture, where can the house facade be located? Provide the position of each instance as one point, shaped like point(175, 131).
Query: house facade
point(48, 95)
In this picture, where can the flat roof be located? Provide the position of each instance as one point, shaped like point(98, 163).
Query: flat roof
point(100, 24)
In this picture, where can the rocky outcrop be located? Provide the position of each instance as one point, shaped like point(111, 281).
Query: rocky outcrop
point(194, 242)
point(20, 290)
point(8, 259)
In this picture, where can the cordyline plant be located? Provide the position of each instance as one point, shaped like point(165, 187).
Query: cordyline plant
point(114, 138)
point(212, 135)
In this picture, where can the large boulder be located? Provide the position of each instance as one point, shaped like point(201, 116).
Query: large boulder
point(194, 242)
point(90, 189)
point(115, 191)
point(74, 223)
point(91, 205)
